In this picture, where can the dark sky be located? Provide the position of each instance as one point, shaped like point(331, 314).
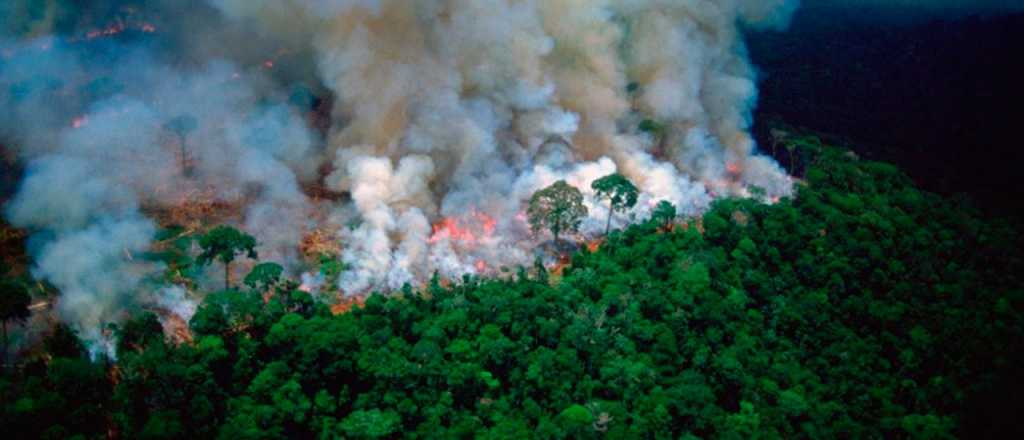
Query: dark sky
point(969, 6)
point(936, 94)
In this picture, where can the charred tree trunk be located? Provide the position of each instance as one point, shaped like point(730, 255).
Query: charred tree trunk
point(186, 170)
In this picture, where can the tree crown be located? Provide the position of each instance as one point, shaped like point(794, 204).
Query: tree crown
point(618, 189)
point(264, 275)
point(224, 243)
point(558, 207)
point(664, 212)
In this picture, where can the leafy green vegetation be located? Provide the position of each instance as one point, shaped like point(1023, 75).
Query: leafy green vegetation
point(860, 308)
point(224, 243)
point(620, 192)
point(558, 208)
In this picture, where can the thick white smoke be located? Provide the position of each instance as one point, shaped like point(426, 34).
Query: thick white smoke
point(462, 109)
point(98, 182)
point(448, 115)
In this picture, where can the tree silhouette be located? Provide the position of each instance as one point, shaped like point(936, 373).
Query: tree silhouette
point(182, 126)
point(664, 213)
point(224, 243)
point(620, 192)
point(558, 208)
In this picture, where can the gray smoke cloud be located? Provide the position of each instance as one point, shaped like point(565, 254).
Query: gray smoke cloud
point(90, 115)
point(447, 115)
point(462, 109)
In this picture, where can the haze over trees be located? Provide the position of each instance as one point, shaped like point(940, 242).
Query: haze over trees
point(620, 192)
point(860, 308)
point(181, 126)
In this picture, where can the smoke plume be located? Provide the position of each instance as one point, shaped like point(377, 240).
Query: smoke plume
point(412, 132)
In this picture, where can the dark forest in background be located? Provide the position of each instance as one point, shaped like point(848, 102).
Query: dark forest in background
point(939, 97)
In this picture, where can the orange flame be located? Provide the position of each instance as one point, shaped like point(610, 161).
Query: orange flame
point(560, 265)
point(113, 29)
point(452, 229)
point(487, 222)
point(79, 121)
point(346, 304)
point(117, 28)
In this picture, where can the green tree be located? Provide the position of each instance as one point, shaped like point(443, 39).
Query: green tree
point(370, 424)
point(860, 308)
point(224, 243)
point(14, 302)
point(577, 415)
point(620, 192)
point(264, 276)
point(664, 213)
point(558, 207)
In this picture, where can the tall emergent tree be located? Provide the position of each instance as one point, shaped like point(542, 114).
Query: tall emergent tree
point(224, 243)
point(620, 192)
point(14, 302)
point(558, 208)
point(664, 213)
point(182, 126)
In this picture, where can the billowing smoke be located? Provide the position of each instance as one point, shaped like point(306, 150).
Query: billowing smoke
point(442, 118)
point(461, 109)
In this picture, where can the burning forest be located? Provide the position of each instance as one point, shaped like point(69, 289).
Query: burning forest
point(489, 219)
point(398, 138)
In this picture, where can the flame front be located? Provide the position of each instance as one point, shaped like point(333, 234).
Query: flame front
point(480, 226)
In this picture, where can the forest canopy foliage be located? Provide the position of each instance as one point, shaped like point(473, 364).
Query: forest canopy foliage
point(860, 308)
